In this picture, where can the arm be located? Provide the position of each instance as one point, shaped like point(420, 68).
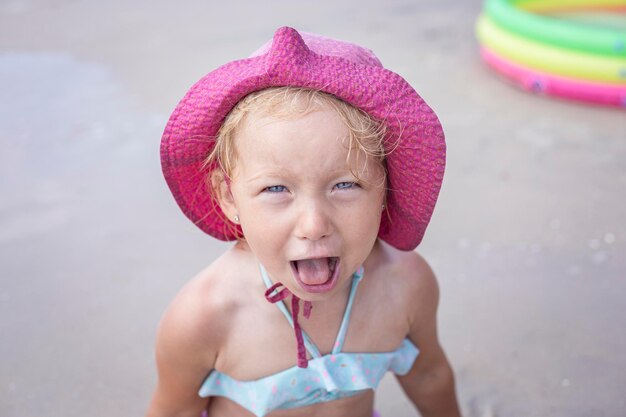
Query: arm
point(430, 382)
point(184, 357)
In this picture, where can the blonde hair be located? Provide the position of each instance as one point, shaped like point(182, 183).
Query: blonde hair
point(365, 133)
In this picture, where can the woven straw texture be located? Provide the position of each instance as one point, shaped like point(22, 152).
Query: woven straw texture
point(348, 71)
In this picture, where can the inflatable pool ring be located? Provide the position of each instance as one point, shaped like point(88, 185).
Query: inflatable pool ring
point(554, 56)
point(541, 82)
point(559, 32)
point(560, 61)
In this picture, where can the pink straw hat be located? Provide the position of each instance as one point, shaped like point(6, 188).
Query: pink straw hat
point(352, 73)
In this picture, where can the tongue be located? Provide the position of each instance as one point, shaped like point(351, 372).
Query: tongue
point(313, 271)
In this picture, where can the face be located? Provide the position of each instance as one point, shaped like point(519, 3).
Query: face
point(305, 216)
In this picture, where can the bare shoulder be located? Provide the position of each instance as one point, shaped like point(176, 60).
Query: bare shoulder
point(197, 320)
point(404, 271)
point(418, 276)
point(410, 279)
point(191, 334)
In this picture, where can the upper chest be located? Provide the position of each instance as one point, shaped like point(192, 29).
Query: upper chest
point(262, 342)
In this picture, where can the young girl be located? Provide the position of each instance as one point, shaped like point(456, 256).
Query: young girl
point(325, 168)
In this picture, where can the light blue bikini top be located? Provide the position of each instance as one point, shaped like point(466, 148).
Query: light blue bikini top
point(327, 377)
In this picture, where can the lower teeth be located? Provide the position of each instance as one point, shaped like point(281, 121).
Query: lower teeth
point(331, 264)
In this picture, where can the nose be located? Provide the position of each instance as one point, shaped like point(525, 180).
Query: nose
point(314, 223)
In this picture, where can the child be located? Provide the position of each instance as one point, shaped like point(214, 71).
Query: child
point(325, 168)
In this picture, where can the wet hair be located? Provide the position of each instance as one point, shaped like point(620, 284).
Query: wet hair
point(288, 103)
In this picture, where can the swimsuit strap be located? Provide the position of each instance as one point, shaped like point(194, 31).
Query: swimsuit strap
point(341, 336)
point(310, 346)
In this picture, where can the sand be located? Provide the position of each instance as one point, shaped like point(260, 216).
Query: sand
point(528, 239)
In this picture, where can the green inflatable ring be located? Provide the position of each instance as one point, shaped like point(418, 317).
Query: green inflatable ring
point(515, 16)
point(551, 59)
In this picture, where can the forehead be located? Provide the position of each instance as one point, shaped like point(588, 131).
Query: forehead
point(306, 137)
point(316, 143)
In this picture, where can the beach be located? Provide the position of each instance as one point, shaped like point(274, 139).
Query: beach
point(528, 239)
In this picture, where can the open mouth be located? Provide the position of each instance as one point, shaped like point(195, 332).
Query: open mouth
point(316, 274)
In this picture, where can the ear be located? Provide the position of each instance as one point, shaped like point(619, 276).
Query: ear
point(221, 188)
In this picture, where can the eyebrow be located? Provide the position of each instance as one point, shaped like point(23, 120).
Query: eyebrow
point(281, 173)
point(269, 173)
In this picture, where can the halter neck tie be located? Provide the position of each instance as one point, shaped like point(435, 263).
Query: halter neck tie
point(295, 309)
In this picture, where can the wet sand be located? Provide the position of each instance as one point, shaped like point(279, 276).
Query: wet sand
point(528, 239)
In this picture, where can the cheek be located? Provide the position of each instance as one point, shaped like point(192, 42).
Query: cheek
point(265, 248)
point(262, 223)
point(264, 231)
point(364, 223)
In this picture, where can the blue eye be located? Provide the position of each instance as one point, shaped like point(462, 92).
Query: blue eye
point(346, 185)
point(276, 188)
